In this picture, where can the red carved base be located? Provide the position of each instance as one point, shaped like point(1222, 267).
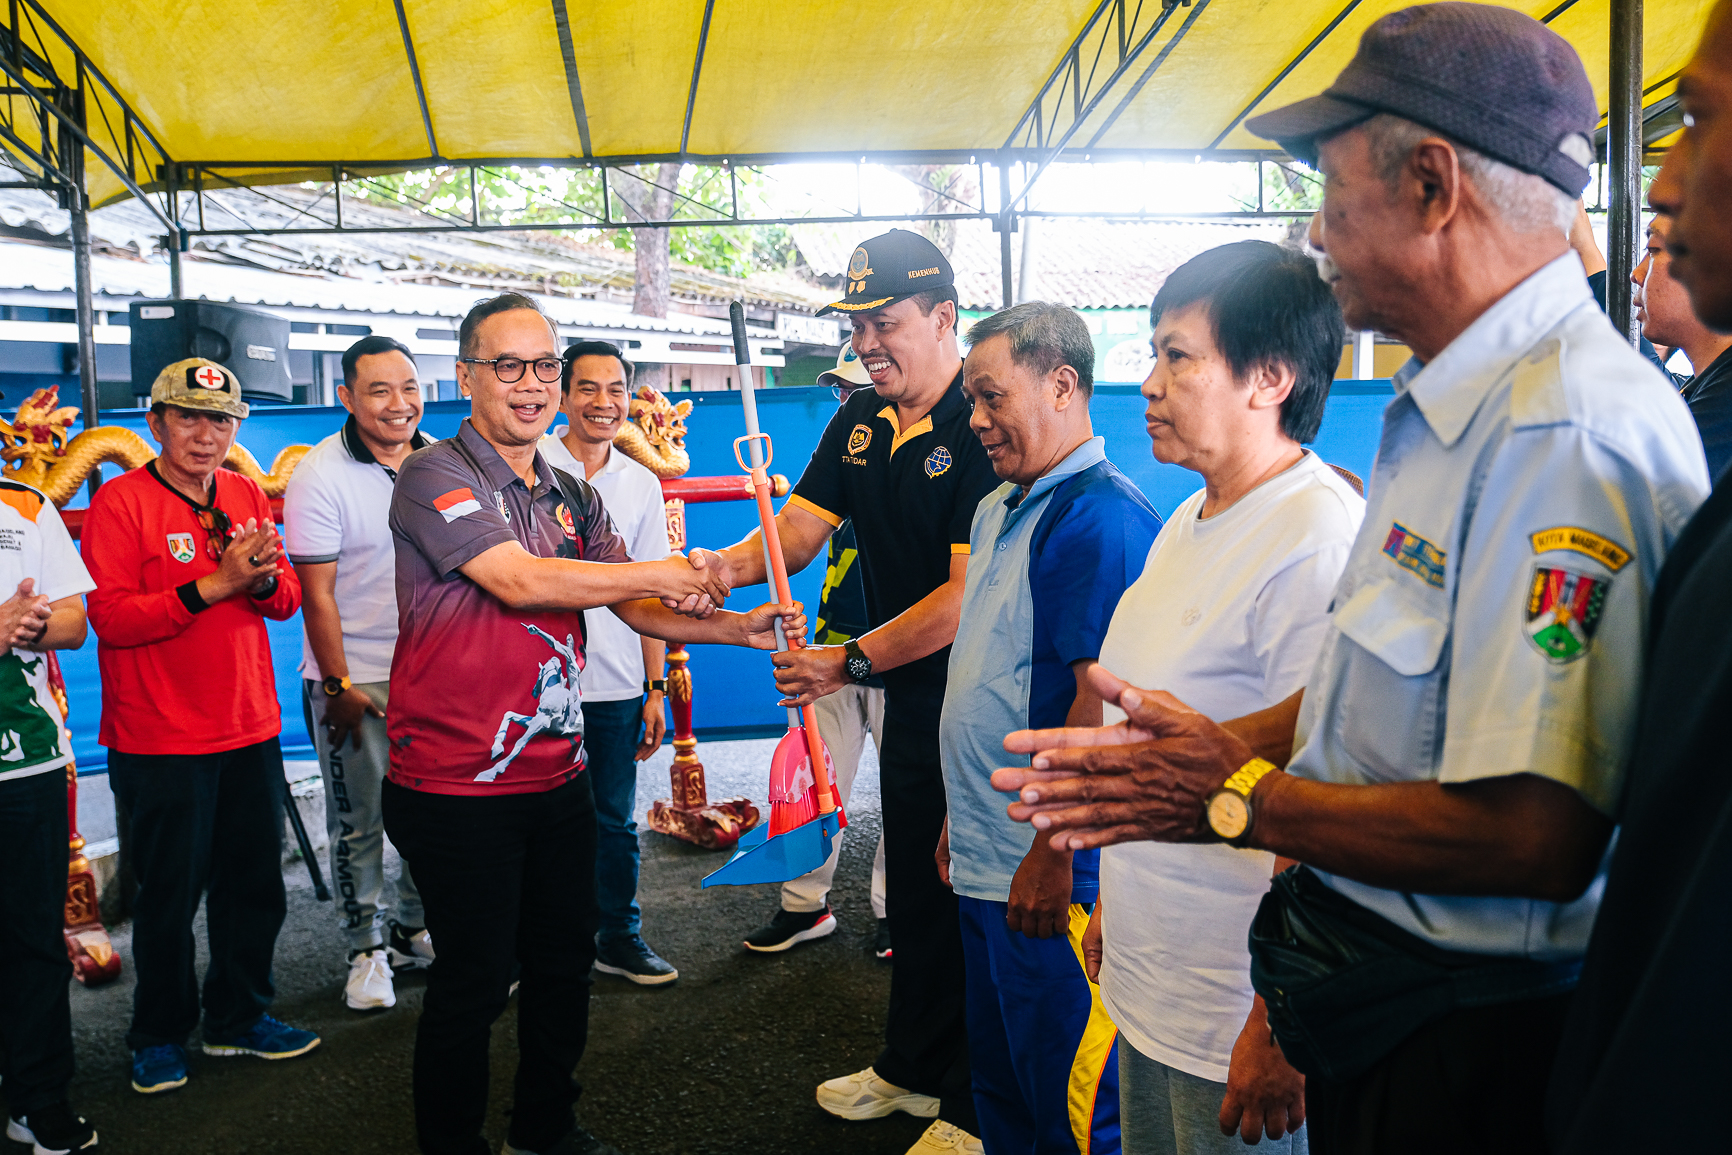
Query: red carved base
point(94, 961)
point(690, 816)
point(716, 827)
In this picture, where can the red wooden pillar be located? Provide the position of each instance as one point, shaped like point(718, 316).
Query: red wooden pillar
point(94, 961)
point(689, 815)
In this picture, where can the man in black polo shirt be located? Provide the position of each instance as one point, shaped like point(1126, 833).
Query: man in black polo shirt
point(900, 461)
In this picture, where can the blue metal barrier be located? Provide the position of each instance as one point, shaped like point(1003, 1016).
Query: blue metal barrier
point(735, 696)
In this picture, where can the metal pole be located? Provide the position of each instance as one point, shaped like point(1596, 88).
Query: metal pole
point(1624, 159)
point(78, 205)
point(1006, 222)
point(176, 287)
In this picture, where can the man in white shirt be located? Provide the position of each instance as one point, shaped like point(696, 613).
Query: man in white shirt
point(623, 684)
point(44, 580)
point(338, 534)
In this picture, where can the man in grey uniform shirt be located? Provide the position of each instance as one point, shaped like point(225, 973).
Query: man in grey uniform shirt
point(1455, 763)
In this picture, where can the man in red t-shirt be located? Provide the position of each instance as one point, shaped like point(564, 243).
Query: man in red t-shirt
point(188, 566)
point(486, 797)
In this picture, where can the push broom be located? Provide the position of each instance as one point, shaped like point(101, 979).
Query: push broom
point(805, 815)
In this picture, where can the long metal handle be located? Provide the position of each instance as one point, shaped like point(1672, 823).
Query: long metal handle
point(320, 891)
point(776, 568)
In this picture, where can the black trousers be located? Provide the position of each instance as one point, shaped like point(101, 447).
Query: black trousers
point(1471, 1083)
point(35, 1015)
point(504, 878)
point(925, 1032)
point(198, 823)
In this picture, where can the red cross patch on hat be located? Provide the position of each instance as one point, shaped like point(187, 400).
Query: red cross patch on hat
point(205, 377)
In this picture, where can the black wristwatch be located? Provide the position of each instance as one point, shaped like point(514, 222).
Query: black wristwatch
point(652, 684)
point(859, 665)
point(334, 685)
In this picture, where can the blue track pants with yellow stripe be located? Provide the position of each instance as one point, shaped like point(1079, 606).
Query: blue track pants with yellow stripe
point(1044, 1052)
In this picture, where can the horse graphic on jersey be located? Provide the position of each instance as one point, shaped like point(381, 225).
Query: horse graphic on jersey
point(558, 705)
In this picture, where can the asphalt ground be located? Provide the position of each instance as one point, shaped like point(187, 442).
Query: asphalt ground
point(724, 1061)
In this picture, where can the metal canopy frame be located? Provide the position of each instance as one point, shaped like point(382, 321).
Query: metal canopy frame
point(1095, 68)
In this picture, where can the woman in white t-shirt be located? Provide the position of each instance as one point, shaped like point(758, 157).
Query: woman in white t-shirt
point(1228, 617)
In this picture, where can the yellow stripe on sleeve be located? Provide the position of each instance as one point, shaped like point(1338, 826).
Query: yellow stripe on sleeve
point(818, 511)
point(963, 547)
point(1093, 1051)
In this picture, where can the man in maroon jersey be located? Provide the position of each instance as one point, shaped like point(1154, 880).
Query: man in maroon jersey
point(497, 558)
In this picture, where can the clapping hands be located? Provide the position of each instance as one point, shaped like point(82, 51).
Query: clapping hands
point(23, 617)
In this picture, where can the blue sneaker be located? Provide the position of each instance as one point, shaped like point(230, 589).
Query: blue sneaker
point(269, 1039)
point(157, 1069)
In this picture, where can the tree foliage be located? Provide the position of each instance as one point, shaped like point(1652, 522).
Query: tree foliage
point(517, 194)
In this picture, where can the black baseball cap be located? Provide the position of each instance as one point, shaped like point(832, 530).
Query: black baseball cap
point(1497, 81)
point(890, 268)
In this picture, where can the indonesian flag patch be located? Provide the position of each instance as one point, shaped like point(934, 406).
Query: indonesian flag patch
point(458, 503)
point(1564, 609)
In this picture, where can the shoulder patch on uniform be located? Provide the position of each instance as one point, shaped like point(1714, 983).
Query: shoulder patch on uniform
point(1584, 541)
point(937, 461)
point(1414, 554)
point(1564, 611)
point(456, 504)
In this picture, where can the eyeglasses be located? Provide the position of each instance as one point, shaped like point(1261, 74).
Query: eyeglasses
point(216, 525)
point(510, 369)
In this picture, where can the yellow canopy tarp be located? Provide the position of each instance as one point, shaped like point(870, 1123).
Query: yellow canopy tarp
point(326, 82)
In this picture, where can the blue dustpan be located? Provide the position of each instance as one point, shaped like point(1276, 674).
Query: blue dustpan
point(760, 858)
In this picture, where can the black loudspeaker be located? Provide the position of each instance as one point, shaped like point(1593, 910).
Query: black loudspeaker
point(254, 346)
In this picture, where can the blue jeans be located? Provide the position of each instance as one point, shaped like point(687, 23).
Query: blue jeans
point(611, 731)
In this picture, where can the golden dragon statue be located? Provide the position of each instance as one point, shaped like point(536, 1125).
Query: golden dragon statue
point(39, 449)
point(655, 437)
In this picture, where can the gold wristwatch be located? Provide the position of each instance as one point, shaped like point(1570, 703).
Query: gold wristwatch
point(1229, 807)
point(335, 685)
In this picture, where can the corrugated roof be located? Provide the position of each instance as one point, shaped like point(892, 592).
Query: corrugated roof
point(1086, 264)
point(552, 264)
point(49, 269)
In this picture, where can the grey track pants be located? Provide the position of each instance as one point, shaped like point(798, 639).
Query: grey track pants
point(1164, 1111)
point(355, 824)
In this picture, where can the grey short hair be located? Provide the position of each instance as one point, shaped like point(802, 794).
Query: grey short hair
point(1043, 336)
point(1526, 203)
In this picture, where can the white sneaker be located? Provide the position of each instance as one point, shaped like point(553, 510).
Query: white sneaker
point(863, 1095)
point(369, 986)
point(942, 1136)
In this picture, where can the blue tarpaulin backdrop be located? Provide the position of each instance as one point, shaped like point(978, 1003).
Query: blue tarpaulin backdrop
point(734, 694)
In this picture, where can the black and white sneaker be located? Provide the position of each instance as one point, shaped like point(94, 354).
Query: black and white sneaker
point(789, 928)
point(52, 1130)
point(881, 948)
point(410, 948)
point(631, 959)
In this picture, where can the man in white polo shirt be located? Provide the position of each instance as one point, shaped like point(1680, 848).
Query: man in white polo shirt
point(623, 682)
point(339, 538)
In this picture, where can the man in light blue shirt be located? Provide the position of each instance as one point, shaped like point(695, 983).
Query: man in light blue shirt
point(1050, 553)
point(1457, 757)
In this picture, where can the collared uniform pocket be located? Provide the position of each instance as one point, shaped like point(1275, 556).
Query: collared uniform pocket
point(1394, 680)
